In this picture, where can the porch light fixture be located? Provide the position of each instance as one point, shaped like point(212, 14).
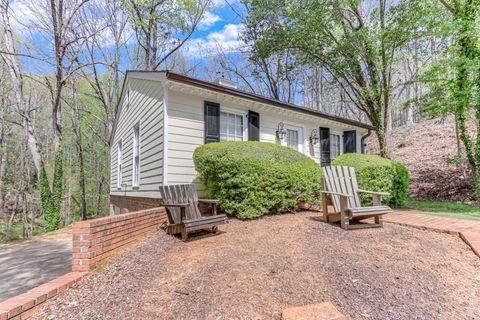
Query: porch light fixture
point(314, 138)
point(281, 132)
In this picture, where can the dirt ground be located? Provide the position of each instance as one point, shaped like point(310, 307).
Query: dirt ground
point(255, 269)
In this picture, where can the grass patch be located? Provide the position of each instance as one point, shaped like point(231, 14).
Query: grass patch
point(445, 209)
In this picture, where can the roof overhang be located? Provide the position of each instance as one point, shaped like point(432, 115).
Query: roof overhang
point(165, 76)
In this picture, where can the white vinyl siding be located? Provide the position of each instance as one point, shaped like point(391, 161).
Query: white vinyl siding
point(145, 107)
point(136, 155)
point(335, 146)
point(185, 133)
point(231, 127)
point(119, 164)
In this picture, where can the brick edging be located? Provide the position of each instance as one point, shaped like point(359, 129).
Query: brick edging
point(465, 236)
point(27, 304)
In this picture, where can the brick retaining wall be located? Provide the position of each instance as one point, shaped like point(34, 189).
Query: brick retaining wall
point(27, 304)
point(95, 240)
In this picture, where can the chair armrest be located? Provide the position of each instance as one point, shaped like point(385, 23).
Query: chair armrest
point(375, 192)
point(336, 194)
point(213, 201)
point(176, 205)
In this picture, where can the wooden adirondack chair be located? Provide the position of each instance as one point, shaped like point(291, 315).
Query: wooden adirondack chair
point(182, 205)
point(341, 191)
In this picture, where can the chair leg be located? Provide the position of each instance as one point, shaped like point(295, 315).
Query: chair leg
point(344, 220)
point(379, 220)
point(324, 208)
point(184, 235)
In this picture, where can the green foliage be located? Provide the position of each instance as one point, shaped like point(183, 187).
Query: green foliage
point(375, 173)
point(10, 232)
point(57, 185)
point(454, 77)
point(51, 198)
point(351, 39)
point(252, 179)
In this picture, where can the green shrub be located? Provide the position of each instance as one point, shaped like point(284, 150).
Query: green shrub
point(375, 173)
point(255, 178)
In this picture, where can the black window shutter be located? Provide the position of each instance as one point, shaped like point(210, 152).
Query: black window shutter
point(324, 146)
point(253, 126)
point(212, 122)
point(350, 141)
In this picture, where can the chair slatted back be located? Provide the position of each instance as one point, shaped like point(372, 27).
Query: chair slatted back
point(181, 193)
point(342, 179)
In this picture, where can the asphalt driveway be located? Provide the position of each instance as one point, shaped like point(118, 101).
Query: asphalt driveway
point(26, 265)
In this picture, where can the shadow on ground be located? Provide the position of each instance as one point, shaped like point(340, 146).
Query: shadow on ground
point(26, 265)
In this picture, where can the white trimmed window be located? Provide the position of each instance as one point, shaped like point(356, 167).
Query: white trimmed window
point(292, 139)
point(335, 147)
point(231, 127)
point(136, 155)
point(119, 164)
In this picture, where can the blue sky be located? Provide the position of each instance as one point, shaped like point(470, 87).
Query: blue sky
point(219, 29)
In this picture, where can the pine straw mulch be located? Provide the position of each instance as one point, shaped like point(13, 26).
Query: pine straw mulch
point(255, 269)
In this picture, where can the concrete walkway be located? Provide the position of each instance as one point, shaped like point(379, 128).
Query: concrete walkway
point(468, 230)
point(25, 265)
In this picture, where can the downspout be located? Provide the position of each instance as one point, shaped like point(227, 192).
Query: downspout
point(362, 141)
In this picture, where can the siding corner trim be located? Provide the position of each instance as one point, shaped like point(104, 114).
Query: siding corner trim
point(165, 134)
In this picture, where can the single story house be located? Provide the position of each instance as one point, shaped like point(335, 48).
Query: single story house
point(163, 117)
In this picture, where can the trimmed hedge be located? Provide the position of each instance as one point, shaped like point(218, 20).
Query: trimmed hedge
point(252, 178)
point(375, 173)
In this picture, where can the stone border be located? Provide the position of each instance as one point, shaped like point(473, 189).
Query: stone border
point(321, 311)
point(27, 304)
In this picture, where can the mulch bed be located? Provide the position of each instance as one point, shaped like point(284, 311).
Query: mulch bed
point(257, 268)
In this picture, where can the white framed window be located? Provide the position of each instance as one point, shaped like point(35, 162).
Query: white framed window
point(232, 126)
point(136, 155)
point(294, 137)
point(335, 146)
point(119, 164)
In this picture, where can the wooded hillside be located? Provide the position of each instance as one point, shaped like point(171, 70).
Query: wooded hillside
point(429, 150)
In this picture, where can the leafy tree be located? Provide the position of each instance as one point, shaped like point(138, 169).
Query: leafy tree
point(355, 41)
point(454, 81)
point(162, 27)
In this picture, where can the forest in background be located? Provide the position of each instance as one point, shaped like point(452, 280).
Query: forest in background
point(388, 63)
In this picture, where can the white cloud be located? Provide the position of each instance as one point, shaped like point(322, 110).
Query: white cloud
point(208, 20)
point(23, 13)
point(225, 40)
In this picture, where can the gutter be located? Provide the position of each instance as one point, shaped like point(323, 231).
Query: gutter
point(362, 141)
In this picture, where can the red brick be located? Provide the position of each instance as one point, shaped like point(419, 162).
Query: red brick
point(3, 314)
point(29, 313)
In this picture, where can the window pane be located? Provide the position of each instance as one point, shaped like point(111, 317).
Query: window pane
point(334, 146)
point(136, 154)
point(223, 123)
point(292, 139)
point(231, 127)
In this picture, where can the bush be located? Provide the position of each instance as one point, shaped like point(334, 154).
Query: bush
point(375, 173)
point(255, 178)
